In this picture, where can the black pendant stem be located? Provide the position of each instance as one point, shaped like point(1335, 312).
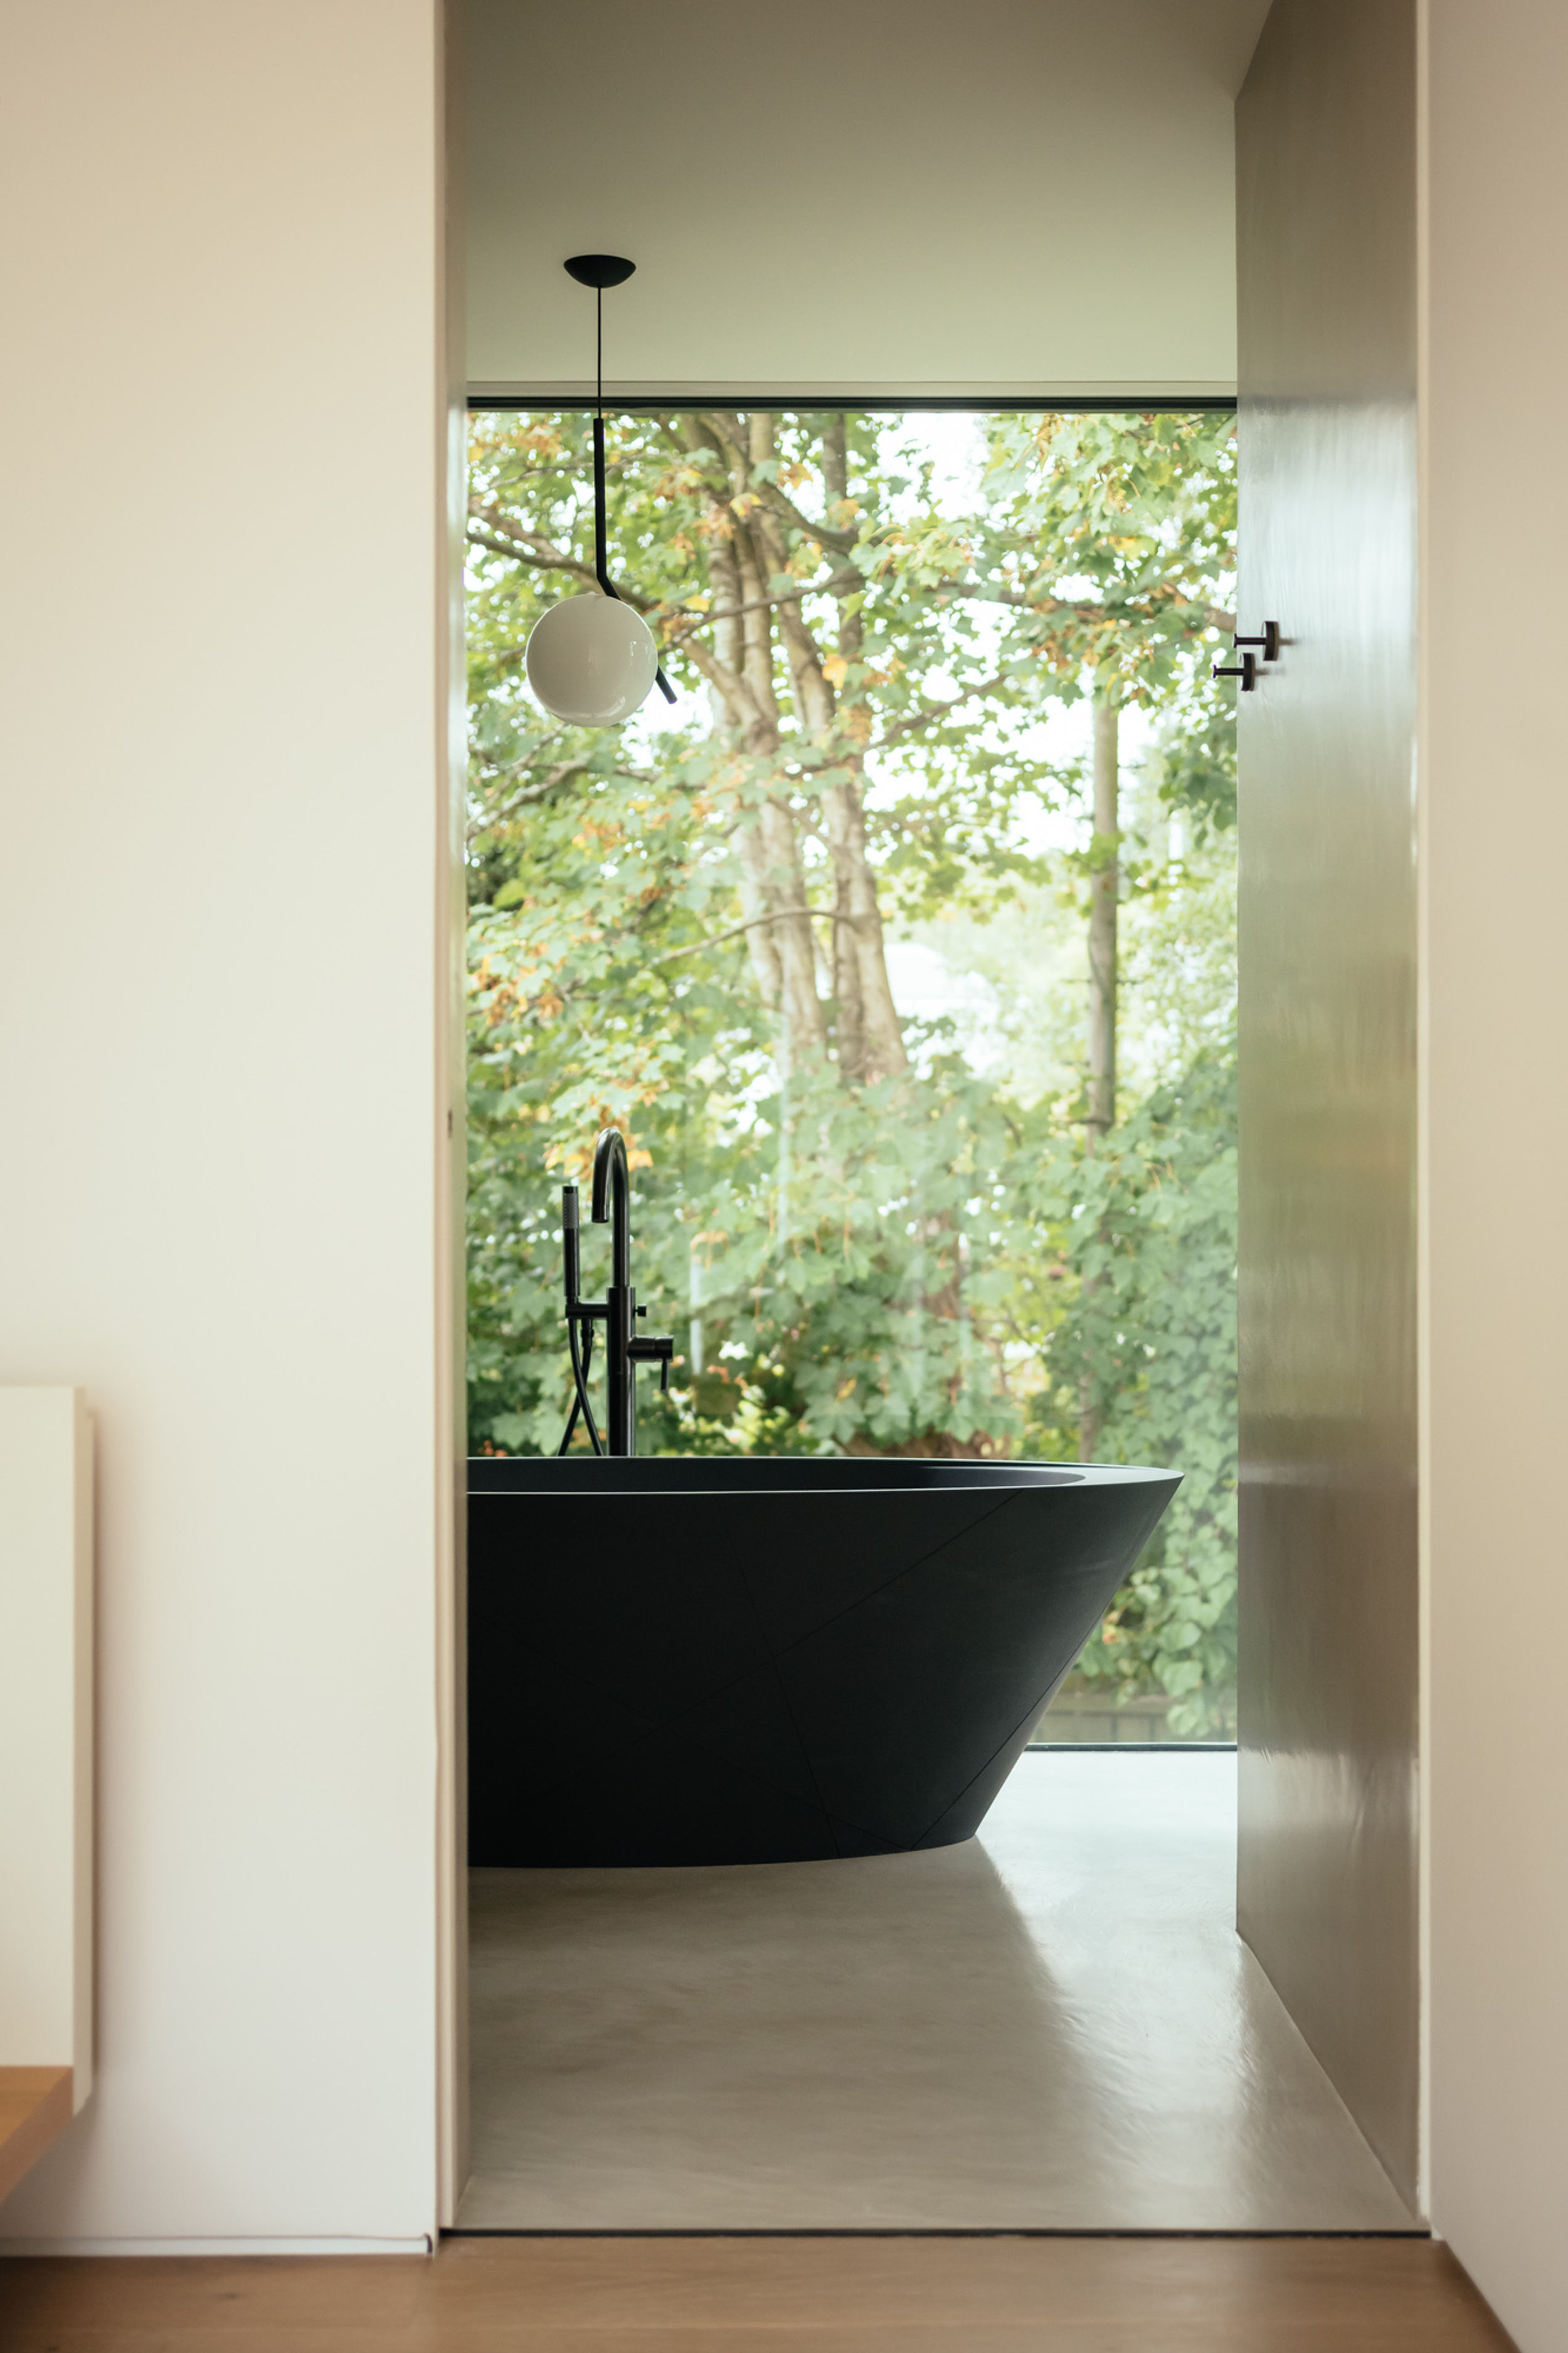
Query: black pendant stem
point(601, 568)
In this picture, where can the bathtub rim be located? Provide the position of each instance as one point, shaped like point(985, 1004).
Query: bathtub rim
point(886, 1475)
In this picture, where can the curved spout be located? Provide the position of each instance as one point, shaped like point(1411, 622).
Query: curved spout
point(612, 1199)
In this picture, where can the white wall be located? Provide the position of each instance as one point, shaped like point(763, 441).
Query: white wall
point(1495, 771)
point(221, 439)
point(1012, 195)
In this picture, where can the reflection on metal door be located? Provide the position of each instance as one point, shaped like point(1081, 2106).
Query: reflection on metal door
point(1326, 215)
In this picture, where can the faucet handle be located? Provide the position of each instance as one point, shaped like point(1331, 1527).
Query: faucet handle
point(656, 1349)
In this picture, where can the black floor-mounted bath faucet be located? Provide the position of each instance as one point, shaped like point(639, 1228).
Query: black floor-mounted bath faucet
point(625, 1347)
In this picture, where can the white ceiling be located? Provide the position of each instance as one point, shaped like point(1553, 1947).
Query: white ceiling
point(1007, 197)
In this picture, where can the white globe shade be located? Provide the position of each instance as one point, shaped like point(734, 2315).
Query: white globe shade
point(591, 659)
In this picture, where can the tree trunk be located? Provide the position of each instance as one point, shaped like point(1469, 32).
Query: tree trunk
point(870, 1034)
point(860, 954)
point(785, 875)
point(761, 945)
point(772, 876)
point(1104, 883)
point(747, 552)
point(1105, 880)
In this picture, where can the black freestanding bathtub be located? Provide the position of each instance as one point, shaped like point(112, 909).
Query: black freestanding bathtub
point(767, 1661)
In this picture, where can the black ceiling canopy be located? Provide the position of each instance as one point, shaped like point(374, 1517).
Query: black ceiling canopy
point(600, 268)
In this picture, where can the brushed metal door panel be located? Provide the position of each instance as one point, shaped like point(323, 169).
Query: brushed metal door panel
point(1327, 1859)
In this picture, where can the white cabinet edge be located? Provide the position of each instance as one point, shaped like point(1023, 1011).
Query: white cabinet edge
point(47, 1608)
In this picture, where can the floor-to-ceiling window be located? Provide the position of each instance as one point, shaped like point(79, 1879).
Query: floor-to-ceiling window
point(901, 947)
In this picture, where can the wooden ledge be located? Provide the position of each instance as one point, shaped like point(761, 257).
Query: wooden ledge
point(34, 2107)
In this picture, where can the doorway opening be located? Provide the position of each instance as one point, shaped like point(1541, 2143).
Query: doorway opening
point(901, 948)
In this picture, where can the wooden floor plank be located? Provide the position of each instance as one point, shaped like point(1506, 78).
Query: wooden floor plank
point(763, 2295)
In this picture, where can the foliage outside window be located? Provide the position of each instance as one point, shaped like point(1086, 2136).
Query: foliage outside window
point(973, 1235)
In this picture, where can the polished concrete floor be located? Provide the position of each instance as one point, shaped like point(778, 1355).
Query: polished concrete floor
point(1054, 2027)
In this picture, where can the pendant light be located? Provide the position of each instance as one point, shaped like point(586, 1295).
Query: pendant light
point(592, 659)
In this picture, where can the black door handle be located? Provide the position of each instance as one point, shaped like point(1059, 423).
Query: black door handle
point(1245, 669)
point(1269, 641)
